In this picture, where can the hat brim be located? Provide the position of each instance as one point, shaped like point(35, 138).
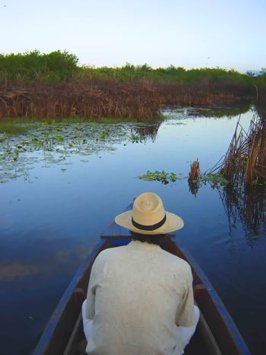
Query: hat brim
point(172, 224)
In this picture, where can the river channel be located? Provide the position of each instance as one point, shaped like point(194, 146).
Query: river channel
point(62, 183)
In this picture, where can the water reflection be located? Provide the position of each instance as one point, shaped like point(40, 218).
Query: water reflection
point(248, 206)
point(217, 112)
point(147, 131)
point(261, 110)
point(194, 187)
point(11, 271)
point(213, 112)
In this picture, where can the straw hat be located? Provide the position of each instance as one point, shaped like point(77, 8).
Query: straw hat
point(148, 216)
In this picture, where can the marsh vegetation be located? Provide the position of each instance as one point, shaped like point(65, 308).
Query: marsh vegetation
point(23, 142)
point(54, 85)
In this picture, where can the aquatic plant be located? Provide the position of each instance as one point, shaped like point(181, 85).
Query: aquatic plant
point(135, 138)
point(216, 180)
point(196, 179)
point(103, 135)
point(161, 176)
point(56, 141)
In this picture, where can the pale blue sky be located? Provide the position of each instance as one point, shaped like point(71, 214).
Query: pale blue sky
point(207, 33)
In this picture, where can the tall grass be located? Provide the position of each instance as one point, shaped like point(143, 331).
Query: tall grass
point(105, 98)
point(244, 164)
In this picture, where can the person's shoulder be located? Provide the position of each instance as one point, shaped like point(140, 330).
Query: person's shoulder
point(108, 254)
point(176, 261)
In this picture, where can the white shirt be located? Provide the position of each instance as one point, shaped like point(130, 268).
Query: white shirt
point(137, 296)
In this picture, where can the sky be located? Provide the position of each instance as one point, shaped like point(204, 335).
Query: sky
point(229, 34)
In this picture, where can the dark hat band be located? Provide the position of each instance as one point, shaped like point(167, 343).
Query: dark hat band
point(148, 228)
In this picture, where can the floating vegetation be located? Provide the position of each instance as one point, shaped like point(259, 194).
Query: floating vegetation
point(11, 128)
point(135, 138)
point(104, 134)
point(53, 142)
point(195, 179)
point(216, 180)
point(161, 176)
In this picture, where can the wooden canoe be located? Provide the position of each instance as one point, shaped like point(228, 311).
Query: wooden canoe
point(216, 332)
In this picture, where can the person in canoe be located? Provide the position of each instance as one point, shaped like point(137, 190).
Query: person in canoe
point(140, 298)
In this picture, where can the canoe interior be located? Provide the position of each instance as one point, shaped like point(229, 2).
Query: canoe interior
point(216, 332)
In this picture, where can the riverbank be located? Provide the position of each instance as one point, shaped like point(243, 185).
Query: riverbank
point(53, 85)
point(96, 98)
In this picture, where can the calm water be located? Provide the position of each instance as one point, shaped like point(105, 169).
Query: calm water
point(66, 182)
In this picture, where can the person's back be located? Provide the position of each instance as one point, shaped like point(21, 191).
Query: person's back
point(140, 290)
point(140, 298)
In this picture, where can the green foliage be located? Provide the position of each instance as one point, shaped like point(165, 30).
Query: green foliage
point(59, 139)
point(207, 75)
point(161, 176)
point(135, 138)
point(60, 66)
point(34, 65)
point(216, 180)
point(103, 135)
point(11, 128)
point(56, 140)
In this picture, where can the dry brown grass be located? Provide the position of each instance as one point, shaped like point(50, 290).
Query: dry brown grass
point(245, 160)
point(93, 98)
point(194, 173)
